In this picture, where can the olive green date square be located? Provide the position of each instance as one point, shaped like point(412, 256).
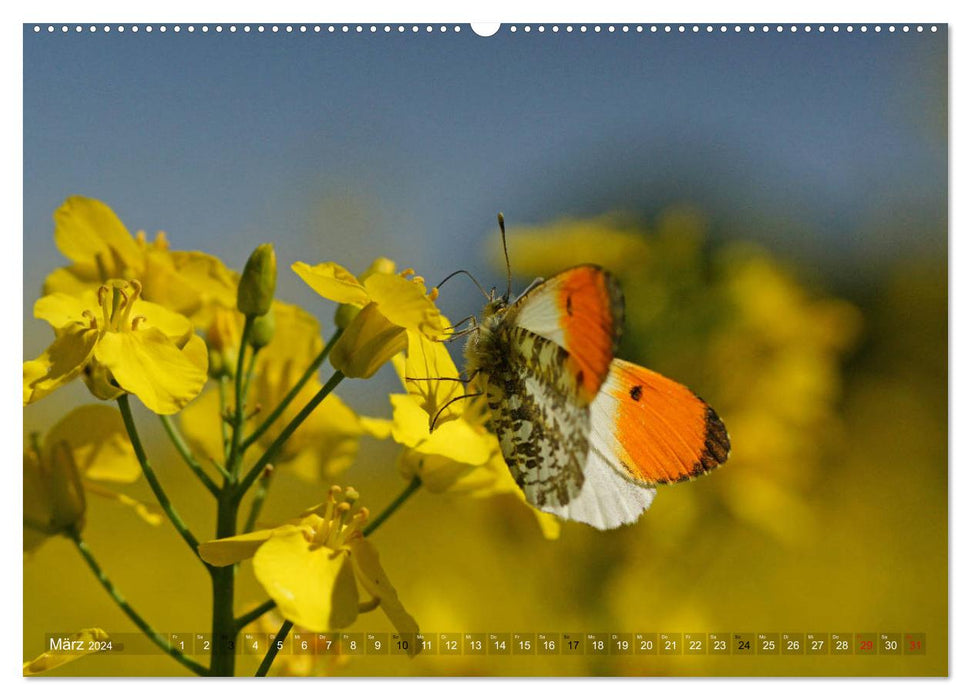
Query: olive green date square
point(891, 643)
point(500, 643)
point(841, 643)
point(767, 643)
point(915, 643)
point(743, 643)
point(402, 643)
point(793, 643)
point(817, 644)
point(548, 643)
point(645, 642)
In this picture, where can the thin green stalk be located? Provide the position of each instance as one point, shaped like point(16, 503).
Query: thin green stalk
point(224, 427)
point(153, 481)
point(254, 614)
point(274, 648)
point(223, 658)
point(281, 439)
point(294, 391)
point(139, 621)
point(176, 437)
point(258, 499)
point(233, 461)
point(412, 486)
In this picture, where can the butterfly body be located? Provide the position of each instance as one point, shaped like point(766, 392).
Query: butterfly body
point(585, 436)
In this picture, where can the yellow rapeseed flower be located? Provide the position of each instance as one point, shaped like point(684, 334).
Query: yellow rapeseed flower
point(120, 343)
point(458, 454)
point(86, 448)
point(100, 248)
point(325, 444)
point(316, 566)
point(389, 304)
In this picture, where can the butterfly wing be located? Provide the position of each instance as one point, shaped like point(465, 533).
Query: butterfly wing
point(581, 310)
point(654, 430)
point(542, 433)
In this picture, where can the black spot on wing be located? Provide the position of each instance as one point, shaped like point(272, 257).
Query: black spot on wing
point(636, 392)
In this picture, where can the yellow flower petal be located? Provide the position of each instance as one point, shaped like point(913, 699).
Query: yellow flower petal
point(313, 586)
point(174, 325)
point(333, 282)
point(146, 512)
point(457, 440)
point(231, 550)
point(404, 303)
point(367, 343)
point(427, 363)
point(147, 364)
point(61, 362)
point(86, 642)
point(367, 566)
point(96, 437)
point(60, 309)
point(86, 230)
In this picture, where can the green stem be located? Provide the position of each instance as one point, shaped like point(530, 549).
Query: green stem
point(412, 486)
point(258, 499)
point(223, 659)
point(285, 434)
point(176, 437)
point(274, 648)
point(294, 391)
point(139, 621)
point(224, 427)
point(239, 418)
point(254, 614)
point(153, 481)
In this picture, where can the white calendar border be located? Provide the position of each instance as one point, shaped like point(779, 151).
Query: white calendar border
point(832, 11)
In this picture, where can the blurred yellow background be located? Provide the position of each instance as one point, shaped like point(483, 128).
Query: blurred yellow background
point(830, 515)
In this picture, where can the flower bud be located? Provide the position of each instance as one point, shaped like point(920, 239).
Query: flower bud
point(258, 282)
point(222, 339)
point(367, 343)
point(262, 330)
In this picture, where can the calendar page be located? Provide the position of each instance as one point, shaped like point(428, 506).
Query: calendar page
point(538, 349)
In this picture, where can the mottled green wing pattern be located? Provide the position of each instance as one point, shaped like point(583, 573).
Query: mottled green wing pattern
point(542, 433)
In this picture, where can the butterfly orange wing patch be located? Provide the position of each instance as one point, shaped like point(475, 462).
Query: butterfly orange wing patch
point(581, 310)
point(658, 431)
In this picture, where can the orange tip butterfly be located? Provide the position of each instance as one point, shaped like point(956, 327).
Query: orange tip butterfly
point(586, 436)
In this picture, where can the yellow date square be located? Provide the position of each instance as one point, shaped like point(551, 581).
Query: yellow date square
point(500, 643)
point(327, 643)
point(475, 643)
point(425, 642)
point(352, 643)
point(523, 643)
point(621, 643)
point(597, 643)
point(572, 643)
point(866, 643)
point(719, 643)
point(695, 644)
point(743, 643)
point(915, 643)
point(669, 643)
point(377, 643)
point(450, 644)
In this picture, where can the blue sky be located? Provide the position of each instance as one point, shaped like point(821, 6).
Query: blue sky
point(829, 147)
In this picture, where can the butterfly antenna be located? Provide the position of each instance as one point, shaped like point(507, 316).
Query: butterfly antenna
point(505, 251)
point(467, 274)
